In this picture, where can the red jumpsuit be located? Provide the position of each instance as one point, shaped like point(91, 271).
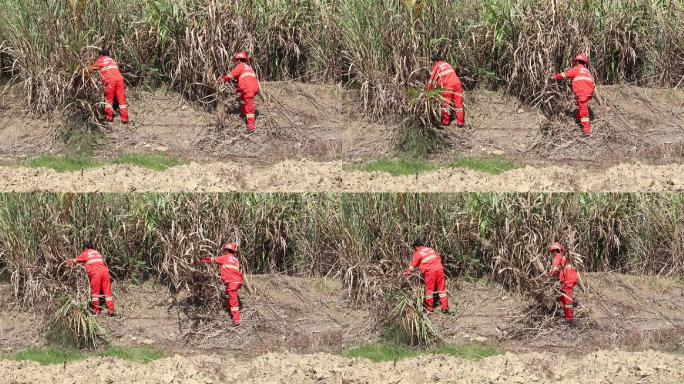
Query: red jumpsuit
point(232, 278)
point(113, 87)
point(443, 76)
point(100, 282)
point(583, 88)
point(567, 275)
point(430, 265)
point(248, 88)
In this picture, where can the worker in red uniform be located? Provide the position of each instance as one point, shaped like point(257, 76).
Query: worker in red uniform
point(247, 87)
point(231, 277)
point(443, 76)
point(430, 265)
point(98, 274)
point(113, 83)
point(583, 87)
point(567, 275)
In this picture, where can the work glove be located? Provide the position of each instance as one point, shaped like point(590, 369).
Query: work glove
point(408, 273)
point(205, 259)
point(70, 263)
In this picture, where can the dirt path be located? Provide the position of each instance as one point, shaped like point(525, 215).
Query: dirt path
point(308, 315)
point(629, 331)
point(311, 176)
point(613, 366)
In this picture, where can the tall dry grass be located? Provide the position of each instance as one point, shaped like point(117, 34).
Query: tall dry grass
point(361, 239)
point(380, 47)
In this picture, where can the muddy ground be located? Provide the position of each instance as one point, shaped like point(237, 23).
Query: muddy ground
point(310, 136)
point(630, 330)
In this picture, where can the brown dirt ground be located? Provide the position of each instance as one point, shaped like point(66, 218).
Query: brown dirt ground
point(312, 176)
point(282, 313)
point(630, 331)
point(613, 366)
point(309, 135)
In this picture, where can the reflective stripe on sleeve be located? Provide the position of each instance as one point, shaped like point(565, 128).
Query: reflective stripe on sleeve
point(443, 73)
point(108, 68)
point(583, 78)
point(426, 259)
point(563, 75)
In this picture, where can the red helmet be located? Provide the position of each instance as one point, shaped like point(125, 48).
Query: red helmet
point(230, 248)
point(582, 58)
point(556, 247)
point(240, 56)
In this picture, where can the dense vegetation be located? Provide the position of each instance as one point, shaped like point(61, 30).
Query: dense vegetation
point(377, 46)
point(361, 239)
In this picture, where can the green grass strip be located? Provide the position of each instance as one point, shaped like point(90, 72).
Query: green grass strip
point(473, 352)
point(379, 353)
point(58, 355)
point(493, 166)
point(400, 167)
point(69, 163)
point(48, 355)
point(63, 163)
point(155, 161)
point(142, 354)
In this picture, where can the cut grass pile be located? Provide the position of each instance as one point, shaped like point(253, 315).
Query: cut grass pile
point(58, 355)
point(71, 163)
point(378, 353)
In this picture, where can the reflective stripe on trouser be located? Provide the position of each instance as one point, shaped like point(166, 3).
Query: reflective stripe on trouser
point(583, 113)
point(566, 301)
point(453, 102)
point(233, 301)
point(115, 90)
point(435, 282)
point(248, 110)
point(101, 285)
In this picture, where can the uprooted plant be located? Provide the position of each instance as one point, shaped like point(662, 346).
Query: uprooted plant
point(73, 325)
